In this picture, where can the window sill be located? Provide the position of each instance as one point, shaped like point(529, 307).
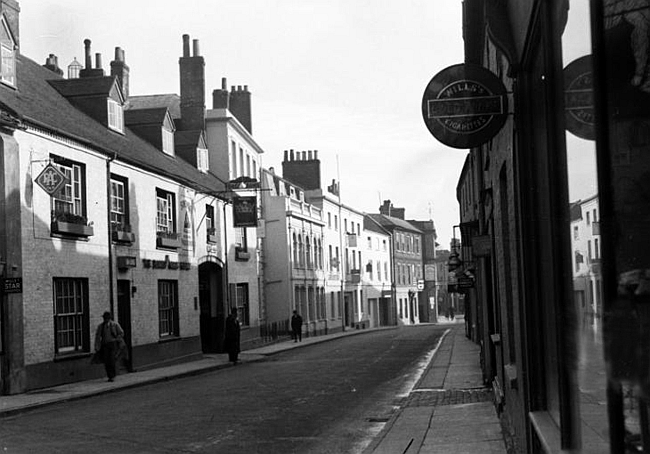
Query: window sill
point(547, 431)
point(122, 237)
point(165, 340)
point(69, 229)
point(71, 356)
point(168, 240)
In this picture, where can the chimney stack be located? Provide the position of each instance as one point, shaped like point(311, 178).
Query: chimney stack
point(240, 106)
point(120, 69)
point(221, 97)
point(89, 71)
point(192, 78)
point(304, 171)
point(52, 63)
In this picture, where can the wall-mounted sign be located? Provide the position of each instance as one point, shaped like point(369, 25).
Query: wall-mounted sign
point(125, 262)
point(464, 105)
point(51, 179)
point(12, 285)
point(579, 98)
point(244, 211)
point(465, 282)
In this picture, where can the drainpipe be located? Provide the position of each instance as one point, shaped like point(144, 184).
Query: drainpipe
point(225, 261)
point(110, 238)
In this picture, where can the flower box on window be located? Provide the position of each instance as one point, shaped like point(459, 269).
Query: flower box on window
point(169, 240)
point(65, 223)
point(121, 233)
point(241, 254)
point(212, 235)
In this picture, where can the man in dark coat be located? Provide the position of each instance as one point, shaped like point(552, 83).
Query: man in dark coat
point(231, 341)
point(109, 344)
point(296, 327)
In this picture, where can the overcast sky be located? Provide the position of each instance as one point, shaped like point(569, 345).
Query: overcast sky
point(344, 77)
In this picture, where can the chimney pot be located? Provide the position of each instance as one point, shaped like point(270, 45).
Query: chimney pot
point(98, 60)
point(316, 154)
point(195, 47)
point(245, 87)
point(291, 155)
point(224, 83)
point(286, 152)
point(310, 156)
point(238, 87)
point(232, 88)
point(186, 45)
point(89, 62)
point(118, 54)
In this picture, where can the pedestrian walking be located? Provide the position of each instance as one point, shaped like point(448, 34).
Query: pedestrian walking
point(231, 341)
point(452, 313)
point(296, 327)
point(109, 344)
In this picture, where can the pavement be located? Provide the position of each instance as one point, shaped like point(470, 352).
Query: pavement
point(448, 410)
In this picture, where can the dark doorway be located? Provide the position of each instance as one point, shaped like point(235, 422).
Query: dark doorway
point(211, 302)
point(384, 311)
point(348, 310)
point(124, 318)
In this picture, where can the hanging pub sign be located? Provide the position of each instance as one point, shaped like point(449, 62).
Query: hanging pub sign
point(579, 99)
point(244, 211)
point(464, 106)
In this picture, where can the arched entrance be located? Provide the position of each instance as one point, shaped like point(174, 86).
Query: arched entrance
point(211, 302)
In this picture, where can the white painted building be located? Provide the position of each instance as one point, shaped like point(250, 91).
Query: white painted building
point(294, 257)
point(585, 240)
point(377, 278)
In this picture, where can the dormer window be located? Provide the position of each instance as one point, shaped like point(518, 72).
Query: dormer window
point(167, 141)
point(115, 116)
point(8, 53)
point(202, 162)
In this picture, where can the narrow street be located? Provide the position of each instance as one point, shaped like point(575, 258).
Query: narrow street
point(326, 398)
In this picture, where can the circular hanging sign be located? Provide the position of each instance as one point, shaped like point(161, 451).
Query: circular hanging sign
point(579, 98)
point(464, 105)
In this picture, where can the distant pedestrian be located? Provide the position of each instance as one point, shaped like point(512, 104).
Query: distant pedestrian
point(452, 314)
point(231, 342)
point(296, 327)
point(109, 344)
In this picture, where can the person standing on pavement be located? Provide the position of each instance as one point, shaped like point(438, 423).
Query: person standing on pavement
point(296, 327)
point(109, 342)
point(231, 341)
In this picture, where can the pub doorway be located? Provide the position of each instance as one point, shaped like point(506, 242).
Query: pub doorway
point(211, 303)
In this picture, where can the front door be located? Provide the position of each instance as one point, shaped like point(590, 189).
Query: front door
point(212, 306)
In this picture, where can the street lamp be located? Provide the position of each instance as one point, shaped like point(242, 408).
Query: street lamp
point(454, 261)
